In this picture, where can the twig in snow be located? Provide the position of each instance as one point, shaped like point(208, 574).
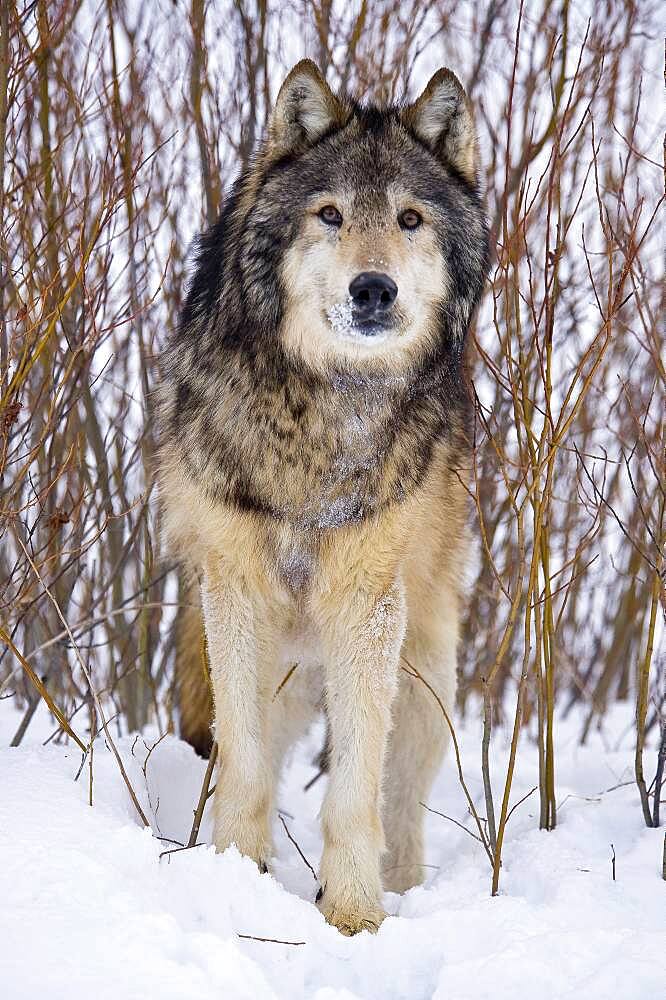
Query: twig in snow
point(91, 750)
point(253, 937)
point(519, 802)
point(659, 776)
point(153, 747)
point(413, 672)
point(582, 798)
point(613, 788)
point(643, 682)
point(413, 864)
point(37, 683)
point(284, 680)
point(177, 850)
point(93, 737)
point(93, 692)
point(613, 862)
point(203, 796)
point(485, 766)
point(144, 768)
point(452, 820)
point(57, 732)
point(313, 781)
point(293, 840)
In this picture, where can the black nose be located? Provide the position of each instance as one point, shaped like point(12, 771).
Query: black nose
point(373, 292)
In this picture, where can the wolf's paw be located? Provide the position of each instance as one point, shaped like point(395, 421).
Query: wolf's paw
point(351, 920)
point(251, 840)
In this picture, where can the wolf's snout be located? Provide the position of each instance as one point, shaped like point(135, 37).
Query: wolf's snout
point(372, 292)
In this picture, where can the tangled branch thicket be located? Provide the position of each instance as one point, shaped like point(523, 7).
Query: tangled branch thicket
point(121, 126)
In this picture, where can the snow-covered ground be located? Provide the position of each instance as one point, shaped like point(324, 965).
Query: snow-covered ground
point(89, 909)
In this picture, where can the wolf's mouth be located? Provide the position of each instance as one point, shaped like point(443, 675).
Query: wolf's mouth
point(347, 322)
point(371, 327)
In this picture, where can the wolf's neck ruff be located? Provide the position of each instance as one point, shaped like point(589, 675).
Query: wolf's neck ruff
point(268, 436)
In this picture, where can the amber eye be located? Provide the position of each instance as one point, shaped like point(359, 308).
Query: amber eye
point(330, 215)
point(410, 219)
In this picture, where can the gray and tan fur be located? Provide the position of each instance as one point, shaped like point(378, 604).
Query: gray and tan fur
point(312, 469)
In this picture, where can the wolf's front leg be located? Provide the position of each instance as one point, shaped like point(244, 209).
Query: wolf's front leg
point(238, 654)
point(362, 638)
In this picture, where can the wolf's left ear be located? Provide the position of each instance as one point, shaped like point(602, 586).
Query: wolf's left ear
point(306, 108)
point(442, 119)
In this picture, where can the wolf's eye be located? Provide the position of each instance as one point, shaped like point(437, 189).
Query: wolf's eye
point(410, 219)
point(330, 215)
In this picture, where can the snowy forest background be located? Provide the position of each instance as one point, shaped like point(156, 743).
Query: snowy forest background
point(121, 126)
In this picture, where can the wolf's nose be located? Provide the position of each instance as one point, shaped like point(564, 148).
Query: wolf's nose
point(373, 292)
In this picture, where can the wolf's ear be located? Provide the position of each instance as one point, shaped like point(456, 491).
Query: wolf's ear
point(305, 110)
point(442, 119)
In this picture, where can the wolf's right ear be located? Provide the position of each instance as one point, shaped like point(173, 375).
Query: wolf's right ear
point(306, 108)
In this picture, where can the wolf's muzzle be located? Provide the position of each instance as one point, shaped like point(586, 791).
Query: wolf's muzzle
point(373, 294)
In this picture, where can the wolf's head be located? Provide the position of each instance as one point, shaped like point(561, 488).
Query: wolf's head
point(377, 214)
point(355, 239)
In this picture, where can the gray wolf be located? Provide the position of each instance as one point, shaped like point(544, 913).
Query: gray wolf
point(314, 447)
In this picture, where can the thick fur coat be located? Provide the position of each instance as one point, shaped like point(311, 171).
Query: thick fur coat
point(313, 461)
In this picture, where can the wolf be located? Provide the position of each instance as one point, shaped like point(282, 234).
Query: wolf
point(314, 448)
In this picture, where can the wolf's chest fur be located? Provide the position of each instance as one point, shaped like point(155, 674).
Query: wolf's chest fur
point(315, 454)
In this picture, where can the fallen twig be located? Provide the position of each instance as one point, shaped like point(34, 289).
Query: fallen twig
point(177, 850)
point(253, 937)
